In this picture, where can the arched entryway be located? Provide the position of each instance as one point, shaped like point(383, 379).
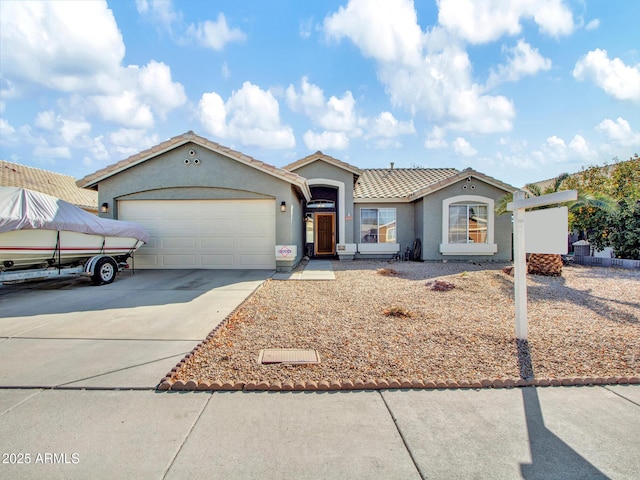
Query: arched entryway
point(322, 229)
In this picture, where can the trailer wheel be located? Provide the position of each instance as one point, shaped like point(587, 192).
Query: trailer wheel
point(104, 271)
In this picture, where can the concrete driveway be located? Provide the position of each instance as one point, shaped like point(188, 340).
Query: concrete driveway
point(124, 335)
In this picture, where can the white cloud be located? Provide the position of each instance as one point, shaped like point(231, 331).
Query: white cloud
point(157, 89)
point(334, 114)
point(619, 132)
point(305, 27)
point(613, 76)
point(215, 35)
point(6, 131)
point(385, 125)
point(251, 115)
point(128, 141)
point(125, 109)
point(486, 21)
point(523, 60)
point(51, 152)
point(428, 74)
point(326, 140)
point(66, 46)
point(593, 24)
point(226, 72)
point(462, 147)
point(580, 146)
point(556, 142)
point(436, 139)
point(387, 31)
point(46, 120)
point(160, 11)
point(310, 100)
point(76, 48)
point(65, 129)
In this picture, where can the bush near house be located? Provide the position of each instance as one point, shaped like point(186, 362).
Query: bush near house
point(619, 229)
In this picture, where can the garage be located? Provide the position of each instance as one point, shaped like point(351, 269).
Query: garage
point(207, 234)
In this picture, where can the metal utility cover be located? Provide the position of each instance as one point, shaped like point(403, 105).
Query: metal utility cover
point(290, 356)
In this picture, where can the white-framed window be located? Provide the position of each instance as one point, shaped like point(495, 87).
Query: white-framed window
point(468, 226)
point(468, 223)
point(378, 225)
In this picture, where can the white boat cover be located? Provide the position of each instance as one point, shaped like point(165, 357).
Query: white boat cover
point(22, 209)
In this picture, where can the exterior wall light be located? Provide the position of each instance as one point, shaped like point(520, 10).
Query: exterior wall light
point(104, 208)
point(283, 206)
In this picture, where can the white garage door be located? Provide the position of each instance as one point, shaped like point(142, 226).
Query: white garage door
point(232, 234)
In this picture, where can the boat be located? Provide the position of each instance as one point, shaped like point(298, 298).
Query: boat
point(40, 231)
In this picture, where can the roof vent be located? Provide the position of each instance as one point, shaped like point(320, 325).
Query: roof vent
point(392, 165)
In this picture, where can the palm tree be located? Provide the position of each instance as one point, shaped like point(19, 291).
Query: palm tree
point(547, 263)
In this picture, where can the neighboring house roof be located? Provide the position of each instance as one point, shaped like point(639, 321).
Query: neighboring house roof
point(319, 156)
point(410, 184)
point(43, 181)
point(92, 180)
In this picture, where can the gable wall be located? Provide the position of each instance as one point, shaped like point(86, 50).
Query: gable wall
point(432, 222)
point(166, 177)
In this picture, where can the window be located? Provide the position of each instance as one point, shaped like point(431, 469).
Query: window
point(467, 226)
point(468, 223)
point(378, 225)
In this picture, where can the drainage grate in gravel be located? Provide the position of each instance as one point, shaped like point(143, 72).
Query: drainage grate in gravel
point(291, 356)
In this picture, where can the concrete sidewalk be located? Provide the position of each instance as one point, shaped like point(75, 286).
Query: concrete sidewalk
point(532, 433)
point(313, 270)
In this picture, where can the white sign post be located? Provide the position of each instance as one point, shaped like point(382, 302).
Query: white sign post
point(518, 207)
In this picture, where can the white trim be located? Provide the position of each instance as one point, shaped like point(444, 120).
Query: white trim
point(488, 248)
point(378, 248)
point(468, 248)
point(341, 200)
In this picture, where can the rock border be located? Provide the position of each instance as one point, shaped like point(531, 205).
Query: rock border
point(168, 382)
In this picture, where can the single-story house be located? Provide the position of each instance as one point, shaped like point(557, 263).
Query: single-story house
point(207, 206)
point(51, 183)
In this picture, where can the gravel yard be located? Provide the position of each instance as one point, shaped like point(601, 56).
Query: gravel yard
point(381, 321)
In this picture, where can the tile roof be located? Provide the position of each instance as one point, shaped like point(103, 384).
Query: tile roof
point(326, 158)
point(92, 180)
point(398, 182)
point(51, 183)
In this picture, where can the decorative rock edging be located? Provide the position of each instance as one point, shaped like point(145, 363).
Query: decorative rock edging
point(167, 383)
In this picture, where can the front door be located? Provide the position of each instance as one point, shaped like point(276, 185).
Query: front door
point(325, 233)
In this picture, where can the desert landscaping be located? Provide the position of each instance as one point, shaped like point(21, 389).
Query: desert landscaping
point(434, 324)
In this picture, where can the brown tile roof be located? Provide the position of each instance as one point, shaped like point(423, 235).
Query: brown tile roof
point(92, 180)
point(54, 184)
point(398, 182)
point(326, 158)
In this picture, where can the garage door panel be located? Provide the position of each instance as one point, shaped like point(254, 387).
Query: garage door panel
point(217, 242)
point(177, 260)
point(178, 242)
point(204, 233)
point(218, 261)
point(145, 261)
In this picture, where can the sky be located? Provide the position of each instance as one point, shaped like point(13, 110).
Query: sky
point(520, 90)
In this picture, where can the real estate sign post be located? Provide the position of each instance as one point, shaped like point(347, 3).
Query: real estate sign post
point(552, 240)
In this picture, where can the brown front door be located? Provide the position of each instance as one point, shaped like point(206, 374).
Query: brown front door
point(325, 233)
